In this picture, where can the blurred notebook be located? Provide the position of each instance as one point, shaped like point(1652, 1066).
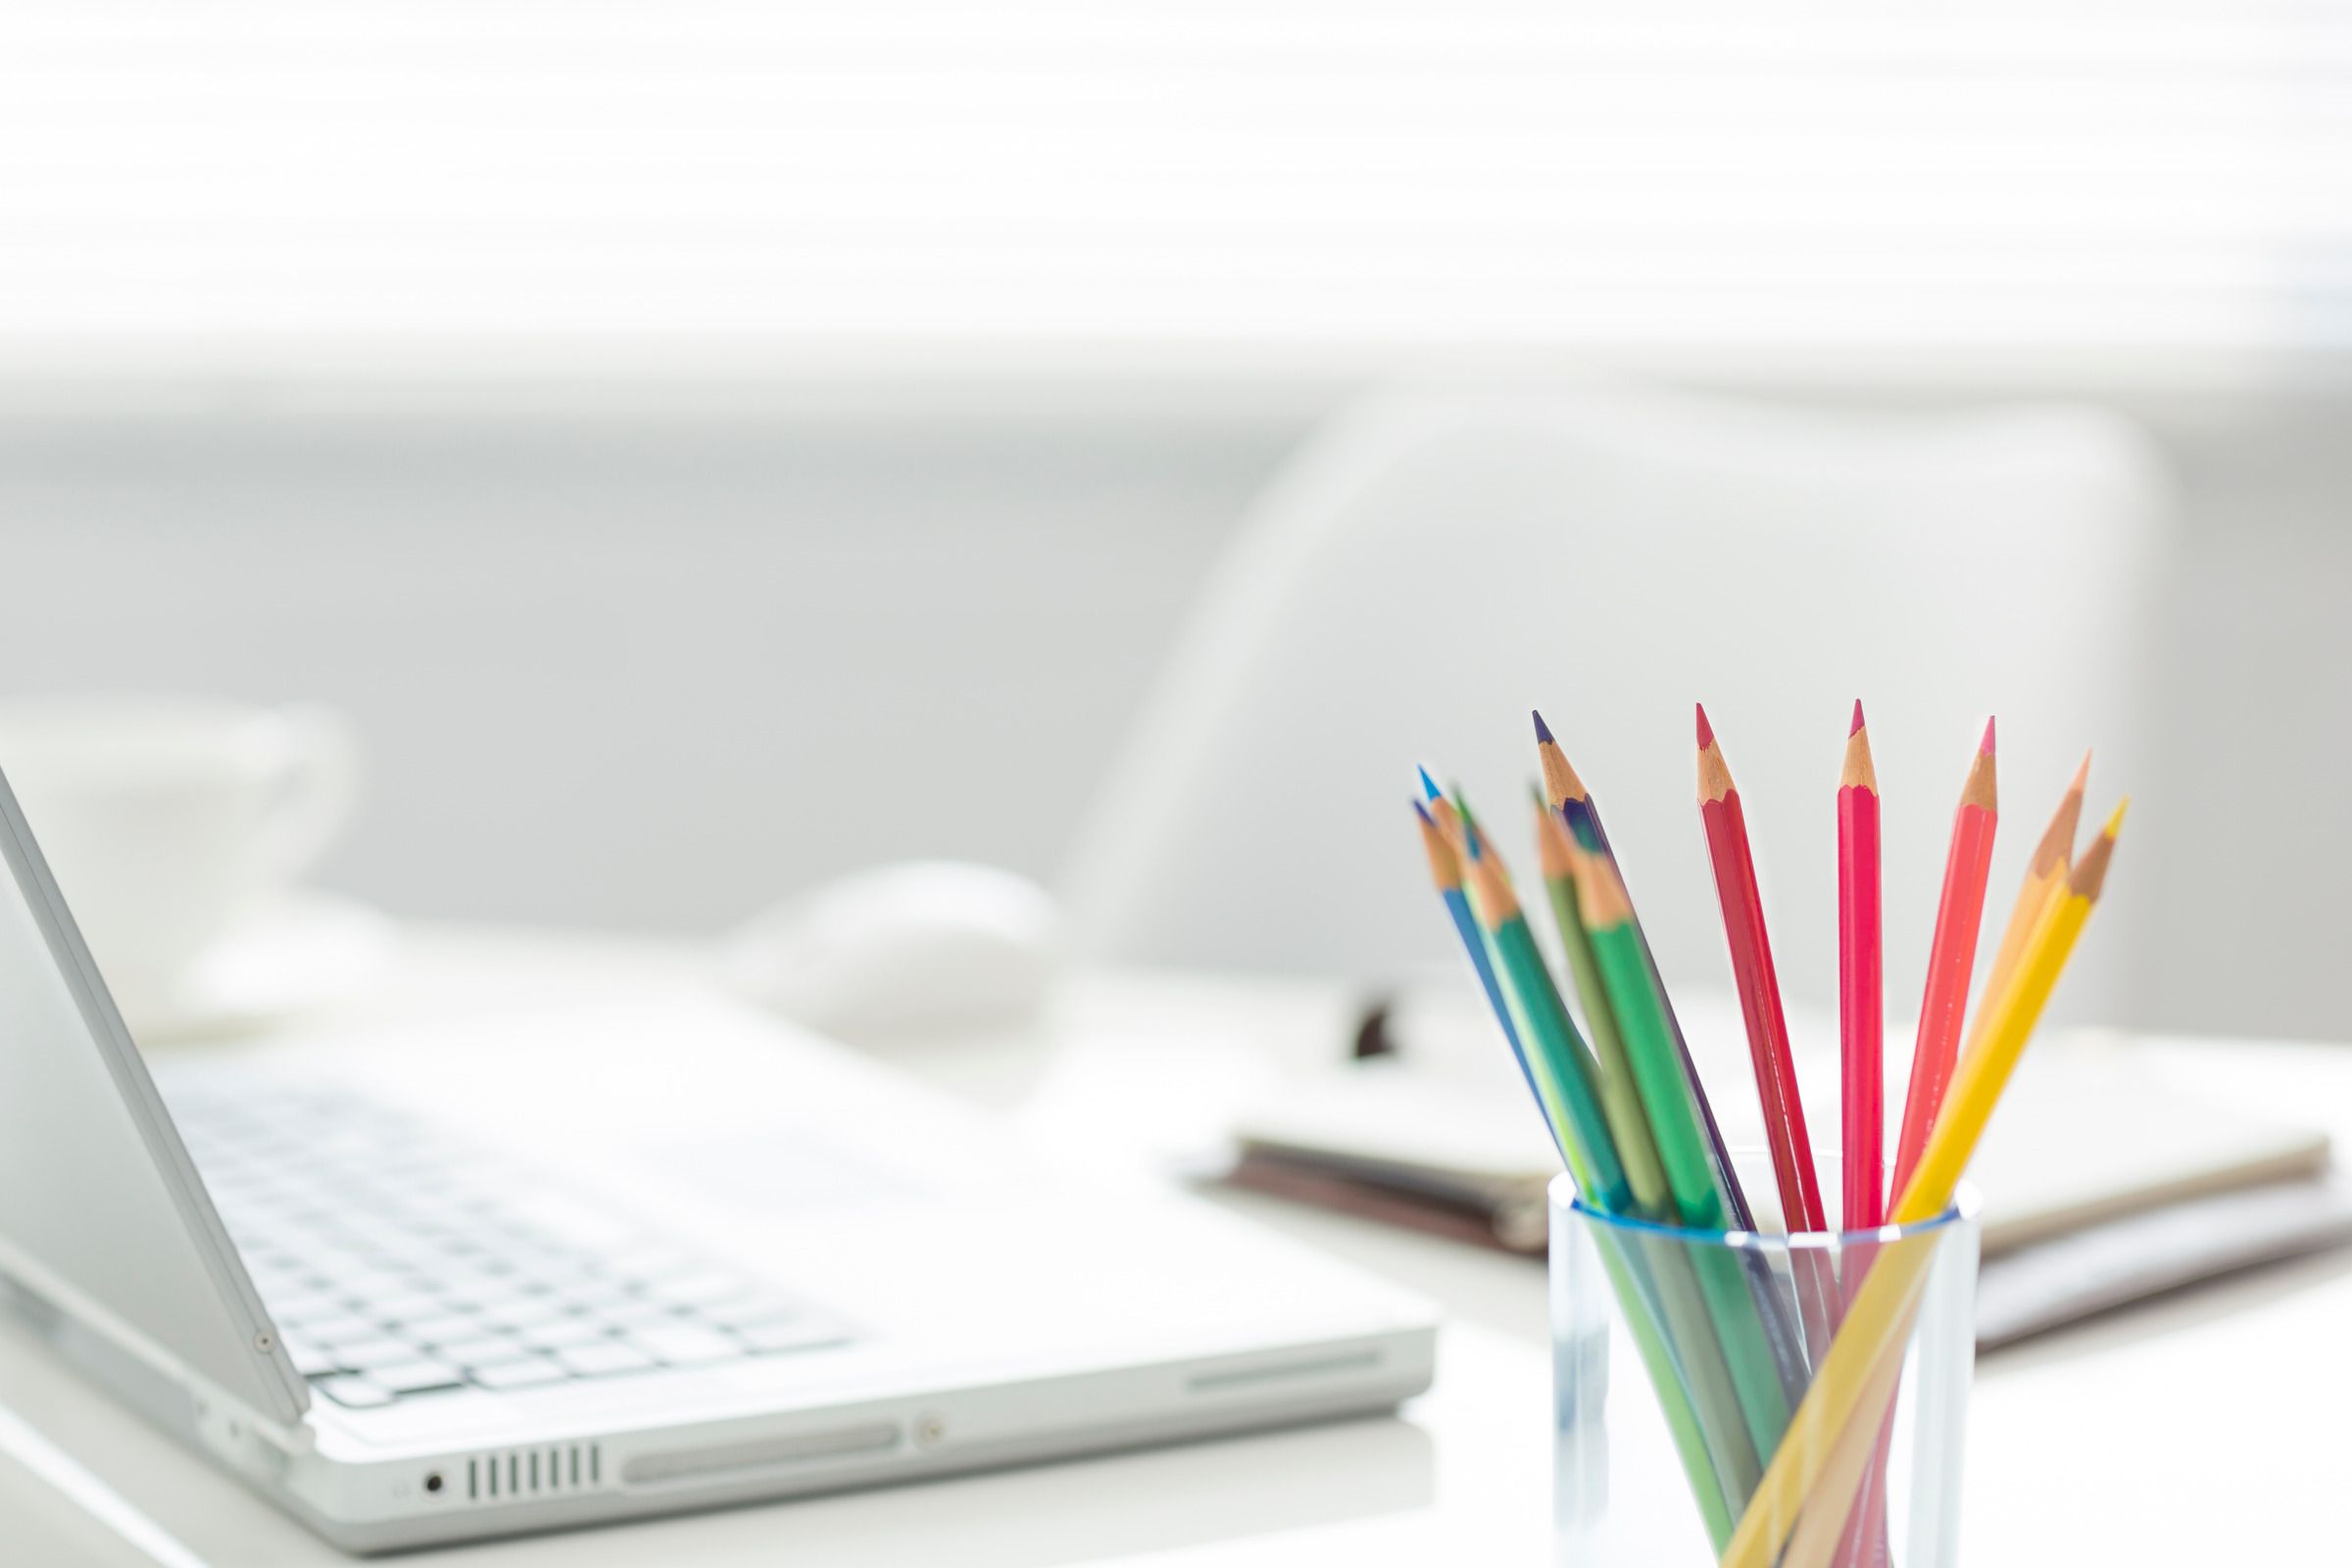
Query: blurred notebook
point(2166, 1189)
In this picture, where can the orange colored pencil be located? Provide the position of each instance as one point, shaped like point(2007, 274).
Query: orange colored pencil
point(1951, 958)
point(2045, 884)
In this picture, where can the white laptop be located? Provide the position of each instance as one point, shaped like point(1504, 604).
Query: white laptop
point(470, 1282)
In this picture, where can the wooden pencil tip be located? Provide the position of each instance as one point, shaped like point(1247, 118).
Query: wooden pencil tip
point(1560, 782)
point(1473, 836)
point(1600, 891)
point(2089, 876)
point(1706, 731)
point(2081, 774)
point(1855, 728)
point(1553, 847)
point(1859, 772)
point(1714, 773)
point(1445, 871)
point(1985, 748)
point(1429, 786)
point(1543, 730)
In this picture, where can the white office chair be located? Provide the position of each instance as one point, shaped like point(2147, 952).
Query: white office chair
point(1434, 566)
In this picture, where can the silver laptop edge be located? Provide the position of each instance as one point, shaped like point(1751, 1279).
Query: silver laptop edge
point(181, 1332)
point(244, 1363)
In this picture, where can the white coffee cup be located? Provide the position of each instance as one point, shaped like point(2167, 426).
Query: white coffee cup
point(166, 818)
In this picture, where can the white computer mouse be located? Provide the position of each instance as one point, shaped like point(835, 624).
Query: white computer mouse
point(921, 944)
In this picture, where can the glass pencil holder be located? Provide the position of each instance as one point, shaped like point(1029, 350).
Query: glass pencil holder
point(1760, 1400)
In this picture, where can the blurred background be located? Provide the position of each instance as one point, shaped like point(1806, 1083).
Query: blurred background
point(707, 448)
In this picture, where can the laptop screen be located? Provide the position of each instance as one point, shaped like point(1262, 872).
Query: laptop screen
point(102, 1216)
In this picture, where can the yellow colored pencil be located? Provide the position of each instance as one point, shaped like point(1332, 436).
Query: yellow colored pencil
point(2045, 883)
point(1834, 1433)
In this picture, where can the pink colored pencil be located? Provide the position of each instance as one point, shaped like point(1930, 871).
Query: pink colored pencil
point(1860, 983)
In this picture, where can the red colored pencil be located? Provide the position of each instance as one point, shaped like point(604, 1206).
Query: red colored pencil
point(1861, 988)
point(1759, 987)
point(1951, 958)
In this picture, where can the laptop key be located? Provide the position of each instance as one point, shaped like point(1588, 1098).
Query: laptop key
point(352, 1392)
point(530, 1374)
point(349, 1329)
point(686, 1345)
point(406, 1305)
point(604, 1358)
point(522, 1312)
point(301, 1305)
point(441, 1327)
point(312, 1360)
point(804, 1334)
point(416, 1377)
point(563, 1332)
point(384, 1350)
point(489, 1350)
point(750, 1310)
point(634, 1313)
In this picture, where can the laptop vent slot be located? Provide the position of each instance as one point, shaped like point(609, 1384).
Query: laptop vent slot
point(513, 1473)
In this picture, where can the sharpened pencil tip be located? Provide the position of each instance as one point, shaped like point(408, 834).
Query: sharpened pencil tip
point(1543, 730)
point(1706, 731)
point(1429, 786)
point(1855, 728)
point(2115, 824)
point(1986, 749)
point(2081, 774)
point(1422, 812)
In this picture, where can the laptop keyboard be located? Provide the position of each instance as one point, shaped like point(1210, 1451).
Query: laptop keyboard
point(399, 1264)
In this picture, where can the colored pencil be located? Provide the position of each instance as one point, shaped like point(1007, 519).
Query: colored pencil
point(1446, 874)
point(1682, 1149)
point(1810, 1483)
point(2045, 882)
point(2010, 1024)
point(1693, 1383)
point(1460, 829)
point(1861, 1016)
point(1681, 1293)
point(1620, 1102)
point(1555, 1051)
point(1862, 1045)
point(1573, 802)
point(1788, 1326)
point(1759, 987)
point(1951, 958)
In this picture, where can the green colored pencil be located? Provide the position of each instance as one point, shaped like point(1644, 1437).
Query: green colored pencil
point(1574, 804)
point(1620, 1102)
point(1554, 1049)
point(1661, 1303)
point(1682, 1147)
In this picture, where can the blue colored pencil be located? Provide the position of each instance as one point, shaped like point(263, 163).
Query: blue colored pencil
point(1446, 870)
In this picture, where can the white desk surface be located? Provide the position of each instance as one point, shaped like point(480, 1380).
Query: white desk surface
point(2201, 1428)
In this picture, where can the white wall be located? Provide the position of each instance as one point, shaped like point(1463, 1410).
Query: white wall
point(654, 658)
point(619, 672)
